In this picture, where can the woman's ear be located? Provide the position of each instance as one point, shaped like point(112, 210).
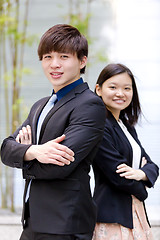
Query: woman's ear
point(98, 90)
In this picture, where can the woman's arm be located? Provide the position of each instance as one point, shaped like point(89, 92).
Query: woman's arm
point(130, 173)
point(111, 155)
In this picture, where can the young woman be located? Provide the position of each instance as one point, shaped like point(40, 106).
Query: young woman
point(122, 168)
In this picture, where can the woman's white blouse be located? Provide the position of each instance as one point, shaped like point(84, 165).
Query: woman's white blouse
point(135, 147)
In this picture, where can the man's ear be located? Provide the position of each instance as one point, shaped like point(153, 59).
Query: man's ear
point(98, 90)
point(83, 62)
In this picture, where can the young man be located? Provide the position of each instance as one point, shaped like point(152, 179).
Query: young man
point(60, 205)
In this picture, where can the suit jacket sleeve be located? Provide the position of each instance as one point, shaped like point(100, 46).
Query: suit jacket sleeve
point(83, 133)
point(12, 153)
point(151, 169)
point(108, 158)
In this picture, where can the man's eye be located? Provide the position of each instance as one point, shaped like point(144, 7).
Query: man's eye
point(64, 56)
point(47, 56)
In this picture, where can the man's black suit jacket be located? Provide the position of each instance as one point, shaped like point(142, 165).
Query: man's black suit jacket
point(60, 199)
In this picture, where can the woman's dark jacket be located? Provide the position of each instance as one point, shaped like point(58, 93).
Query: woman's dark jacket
point(112, 192)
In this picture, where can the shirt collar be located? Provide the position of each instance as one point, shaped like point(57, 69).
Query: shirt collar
point(62, 92)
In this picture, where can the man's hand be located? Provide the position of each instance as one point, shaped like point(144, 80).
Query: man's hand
point(51, 152)
point(131, 173)
point(24, 136)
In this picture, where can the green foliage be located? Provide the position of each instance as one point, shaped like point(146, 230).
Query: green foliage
point(13, 39)
point(101, 56)
point(5, 19)
point(80, 23)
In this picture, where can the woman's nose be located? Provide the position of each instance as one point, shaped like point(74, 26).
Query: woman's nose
point(120, 92)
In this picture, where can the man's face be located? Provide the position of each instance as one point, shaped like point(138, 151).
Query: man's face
point(61, 69)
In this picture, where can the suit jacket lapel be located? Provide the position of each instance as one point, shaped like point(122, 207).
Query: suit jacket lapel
point(68, 97)
point(35, 117)
point(121, 134)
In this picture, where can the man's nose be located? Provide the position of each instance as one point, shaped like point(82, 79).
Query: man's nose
point(55, 63)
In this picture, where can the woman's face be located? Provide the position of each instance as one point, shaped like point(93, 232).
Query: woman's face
point(116, 93)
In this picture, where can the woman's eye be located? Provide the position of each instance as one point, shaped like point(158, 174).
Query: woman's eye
point(112, 87)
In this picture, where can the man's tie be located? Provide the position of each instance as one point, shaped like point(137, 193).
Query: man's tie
point(44, 112)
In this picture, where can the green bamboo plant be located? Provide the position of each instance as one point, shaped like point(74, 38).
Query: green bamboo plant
point(13, 38)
